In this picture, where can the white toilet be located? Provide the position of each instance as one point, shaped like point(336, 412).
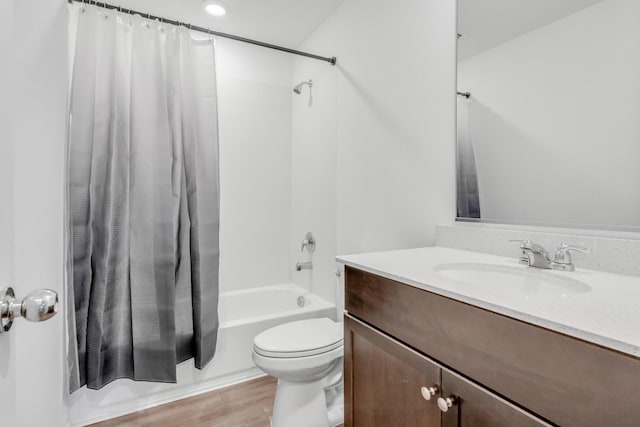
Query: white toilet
point(306, 356)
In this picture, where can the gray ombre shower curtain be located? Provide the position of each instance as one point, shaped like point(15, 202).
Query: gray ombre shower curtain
point(143, 200)
point(467, 180)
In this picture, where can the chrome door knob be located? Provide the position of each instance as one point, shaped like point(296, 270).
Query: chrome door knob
point(429, 392)
point(37, 306)
point(444, 403)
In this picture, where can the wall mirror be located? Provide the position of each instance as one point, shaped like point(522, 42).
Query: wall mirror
point(549, 112)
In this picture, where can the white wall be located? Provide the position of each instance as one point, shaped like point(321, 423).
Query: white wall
point(394, 121)
point(33, 153)
point(396, 126)
point(554, 120)
point(254, 89)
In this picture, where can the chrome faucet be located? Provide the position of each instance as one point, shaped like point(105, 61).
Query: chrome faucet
point(534, 255)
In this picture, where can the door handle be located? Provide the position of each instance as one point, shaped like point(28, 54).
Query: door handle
point(37, 306)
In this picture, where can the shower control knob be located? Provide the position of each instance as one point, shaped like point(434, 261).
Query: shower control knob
point(37, 306)
point(444, 403)
point(429, 392)
point(309, 242)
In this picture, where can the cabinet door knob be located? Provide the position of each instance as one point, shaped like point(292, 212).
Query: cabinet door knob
point(428, 392)
point(444, 403)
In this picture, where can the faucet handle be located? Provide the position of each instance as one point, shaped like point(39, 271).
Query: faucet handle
point(309, 242)
point(563, 254)
point(564, 260)
point(528, 245)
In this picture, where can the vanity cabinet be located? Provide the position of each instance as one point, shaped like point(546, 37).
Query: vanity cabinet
point(501, 371)
point(388, 384)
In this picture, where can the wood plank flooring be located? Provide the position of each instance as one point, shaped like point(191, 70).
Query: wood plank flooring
point(244, 405)
point(247, 404)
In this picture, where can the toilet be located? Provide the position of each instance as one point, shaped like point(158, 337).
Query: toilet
point(306, 356)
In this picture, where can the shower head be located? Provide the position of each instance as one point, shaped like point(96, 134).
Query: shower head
point(298, 88)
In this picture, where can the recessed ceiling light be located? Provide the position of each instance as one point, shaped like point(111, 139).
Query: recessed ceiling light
point(215, 8)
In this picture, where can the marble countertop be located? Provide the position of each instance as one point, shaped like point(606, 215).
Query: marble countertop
point(607, 313)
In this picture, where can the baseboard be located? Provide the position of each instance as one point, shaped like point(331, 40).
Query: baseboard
point(180, 392)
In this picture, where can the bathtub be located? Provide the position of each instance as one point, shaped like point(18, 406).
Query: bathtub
point(246, 313)
point(243, 314)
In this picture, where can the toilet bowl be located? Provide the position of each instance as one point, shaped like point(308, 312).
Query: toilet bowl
point(306, 357)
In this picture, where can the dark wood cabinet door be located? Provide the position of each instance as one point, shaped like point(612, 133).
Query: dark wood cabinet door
point(477, 407)
point(383, 381)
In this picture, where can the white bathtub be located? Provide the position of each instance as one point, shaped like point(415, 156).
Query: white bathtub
point(243, 314)
point(246, 313)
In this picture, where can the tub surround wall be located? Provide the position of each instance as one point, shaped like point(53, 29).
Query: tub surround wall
point(254, 92)
point(314, 182)
point(617, 254)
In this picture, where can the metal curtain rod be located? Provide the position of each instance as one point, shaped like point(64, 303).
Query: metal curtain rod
point(331, 60)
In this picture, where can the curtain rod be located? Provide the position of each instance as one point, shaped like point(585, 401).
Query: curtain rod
point(103, 5)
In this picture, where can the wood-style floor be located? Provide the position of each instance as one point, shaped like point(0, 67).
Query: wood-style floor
point(244, 405)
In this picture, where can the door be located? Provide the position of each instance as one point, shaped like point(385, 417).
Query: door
point(33, 97)
point(385, 381)
point(7, 344)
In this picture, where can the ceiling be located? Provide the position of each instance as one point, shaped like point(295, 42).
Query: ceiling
point(485, 24)
point(283, 22)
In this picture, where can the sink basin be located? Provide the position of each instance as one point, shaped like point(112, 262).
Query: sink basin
point(525, 281)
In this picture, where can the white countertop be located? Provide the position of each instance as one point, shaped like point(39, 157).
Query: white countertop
point(608, 314)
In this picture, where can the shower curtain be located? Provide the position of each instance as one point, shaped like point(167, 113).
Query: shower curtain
point(143, 199)
point(467, 179)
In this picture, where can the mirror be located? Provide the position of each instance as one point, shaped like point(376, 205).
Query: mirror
point(549, 112)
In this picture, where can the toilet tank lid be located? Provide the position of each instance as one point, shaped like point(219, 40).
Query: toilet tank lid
point(300, 336)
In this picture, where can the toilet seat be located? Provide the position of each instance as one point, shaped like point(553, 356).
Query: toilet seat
point(303, 338)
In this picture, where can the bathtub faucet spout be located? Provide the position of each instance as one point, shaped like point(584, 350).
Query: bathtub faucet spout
point(308, 265)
